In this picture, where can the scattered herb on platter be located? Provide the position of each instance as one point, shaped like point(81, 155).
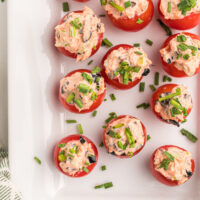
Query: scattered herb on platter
point(37, 160)
point(189, 135)
point(105, 185)
point(166, 28)
point(65, 6)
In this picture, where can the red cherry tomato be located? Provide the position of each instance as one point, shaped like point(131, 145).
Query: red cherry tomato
point(81, 0)
point(131, 24)
point(73, 108)
point(74, 55)
point(158, 175)
point(170, 68)
point(122, 116)
point(156, 95)
point(185, 23)
point(66, 140)
point(115, 82)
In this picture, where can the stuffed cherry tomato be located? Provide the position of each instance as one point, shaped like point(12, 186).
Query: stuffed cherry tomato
point(180, 55)
point(79, 34)
point(129, 15)
point(172, 165)
point(172, 103)
point(124, 136)
point(75, 156)
point(123, 66)
point(82, 91)
point(179, 14)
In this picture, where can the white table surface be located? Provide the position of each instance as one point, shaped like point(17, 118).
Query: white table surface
point(3, 77)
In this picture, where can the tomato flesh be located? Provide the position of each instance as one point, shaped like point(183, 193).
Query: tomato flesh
point(66, 140)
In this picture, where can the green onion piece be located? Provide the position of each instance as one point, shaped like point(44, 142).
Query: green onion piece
point(189, 135)
point(148, 137)
point(87, 163)
point(120, 145)
point(169, 156)
point(127, 4)
point(86, 170)
point(117, 7)
point(70, 155)
point(37, 160)
point(71, 121)
point(62, 158)
point(118, 126)
point(90, 62)
point(112, 96)
point(136, 45)
point(61, 145)
point(142, 87)
point(178, 56)
point(166, 28)
point(165, 164)
point(87, 77)
point(70, 98)
point(103, 126)
point(149, 42)
point(169, 7)
point(186, 56)
point(176, 104)
point(178, 92)
point(103, 2)
point(99, 186)
point(101, 144)
point(65, 6)
point(181, 38)
point(106, 42)
point(72, 31)
point(103, 168)
point(130, 138)
point(136, 69)
point(105, 99)
point(186, 5)
point(138, 53)
point(80, 129)
point(102, 15)
point(152, 87)
point(130, 154)
point(83, 88)
point(182, 47)
point(139, 21)
point(143, 105)
point(78, 103)
point(112, 116)
point(96, 70)
point(156, 78)
point(185, 120)
point(165, 78)
point(94, 114)
point(75, 24)
point(108, 185)
point(72, 150)
point(125, 78)
point(94, 96)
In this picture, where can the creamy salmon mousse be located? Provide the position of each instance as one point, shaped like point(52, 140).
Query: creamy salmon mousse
point(127, 65)
point(174, 106)
point(124, 8)
point(178, 9)
point(184, 52)
point(124, 136)
point(79, 33)
point(76, 156)
point(174, 163)
point(81, 89)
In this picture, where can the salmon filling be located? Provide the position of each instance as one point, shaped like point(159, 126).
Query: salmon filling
point(124, 136)
point(79, 33)
point(183, 52)
point(128, 9)
point(178, 9)
point(174, 165)
point(82, 89)
point(168, 111)
point(75, 156)
point(127, 65)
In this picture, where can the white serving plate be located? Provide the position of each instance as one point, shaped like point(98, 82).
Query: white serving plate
point(37, 119)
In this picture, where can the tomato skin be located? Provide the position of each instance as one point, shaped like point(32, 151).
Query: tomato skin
point(66, 140)
point(185, 23)
point(81, 0)
point(114, 82)
point(119, 117)
point(158, 175)
point(156, 95)
point(72, 108)
point(74, 55)
point(170, 68)
point(127, 24)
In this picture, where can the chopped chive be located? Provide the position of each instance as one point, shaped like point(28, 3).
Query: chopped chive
point(71, 121)
point(185, 120)
point(94, 96)
point(62, 158)
point(99, 186)
point(118, 126)
point(166, 28)
point(70, 155)
point(103, 126)
point(96, 70)
point(156, 78)
point(152, 87)
point(143, 105)
point(102, 15)
point(186, 56)
point(90, 62)
point(189, 135)
point(87, 77)
point(61, 145)
point(75, 24)
point(80, 129)
point(136, 45)
point(65, 6)
point(86, 170)
point(181, 38)
point(83, 88)
point(70, 98)
point(101, 144)
point(182, 47)
point(106, 42)
point(148, 137)
point(37, 160)
point(87, 163)
point(72, 31)
point(112, 96)
point(178, 92)
point(139, 21)
point(136, 69)
point(78, 103)
point(108, 185)
point(142, 87)
point(105, 99)
point(138, 53)
point(127, 4)
point(116, 6)
point(169, 156)
point(169, 7)
point(165, 164)
point(125, 78)
point(103, 2)
point(103, 168)
point(149, 42)
point(120, 145)
point(94, 113)
point(165, 78)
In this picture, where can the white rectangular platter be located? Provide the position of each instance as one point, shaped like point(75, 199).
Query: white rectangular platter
point(37, 119)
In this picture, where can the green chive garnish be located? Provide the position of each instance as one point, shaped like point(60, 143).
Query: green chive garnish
point(143, 105)
point(182, 47)
point(83, 88)
point(96, 70)
point(136, 69)
point(127, 4)
point(136, 45)
point(105, 185)
point(80, 129)
point(61, 145)
point(118, 126)
point(90, 62)
point(139, 21)
point(103, 168)
point(75, 23)
point(62, 158)
point(184, 121)
point(37, 160)
point(142, 87)
point(112, 116)
point(165, 78)
point(152, 87)
point(165, 164)
point(72, 31)
point(186, 56)
point(156, 78)
point(112, 96)
point(78, 103)
point(103, 2)
point(105, 99)
point(169, 7)
point(138, 53)
point(181, 38)
point(101, 144)
point(94, 96)
point(102, 15)
point(189, 135)
point(178, 92)
point(94, 113)
point(125, 78)
point(99, 186)
point(114, 5)
point(169, 156)
point(86, 170)
point(149, 42)
point(87, 77)
point(71, 121)
point(65, 6)
point(148, 137)
point(106, 42)
point(103, 126)
point(70, 98)
point(166, 28)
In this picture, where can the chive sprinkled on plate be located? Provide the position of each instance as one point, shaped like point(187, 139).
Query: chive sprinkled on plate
point(65, 6)
point(189, 135)
point(112, 96)
point(80, 129)
point(103, 2)
point(103, 168)
point(71, 121)
point(116, 6)
point(94, 113)
point(156, 78)
point(105, 99)
point(136, 45)
point(105, 185)
point(101, 144)
point(90, 62)
point(149, 42)
point(139, 21)
point(106, 42)
point(104, 126)
point(165, 78)
point(99, 186)
point(37, 160)
point(112, 115)
point(102, 15)
point(148, 137)
point(184, 121)
point(152, 87)
point(166, 28)
point(142, 87)
point(143, 105)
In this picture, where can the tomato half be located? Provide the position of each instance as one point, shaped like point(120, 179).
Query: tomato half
point(115, 82)
point(72, 108)
point(66, 140)
point(156, 95)
point(74, 55)
point(185, 23)
point(130, 24)
point(122, 116)
point(170, 68)
point(158, 175)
